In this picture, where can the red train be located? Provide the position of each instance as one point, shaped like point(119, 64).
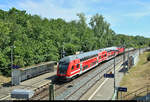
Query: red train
point(74, 65)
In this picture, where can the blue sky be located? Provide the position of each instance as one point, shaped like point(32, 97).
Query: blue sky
point(130, 17)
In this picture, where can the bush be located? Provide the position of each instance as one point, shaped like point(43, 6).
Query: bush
point(148, 58)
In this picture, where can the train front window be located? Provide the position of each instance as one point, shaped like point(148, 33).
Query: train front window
point(63, 67)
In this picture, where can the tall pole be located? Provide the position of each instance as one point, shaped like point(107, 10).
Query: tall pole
point(12, 61)
point(62, 51)
point(128, 58)
point(12, 83)
point(124, 53)
point(12, 56)
point(114, 75)
point(139, 50)
point(124, 59)
point(51, 92)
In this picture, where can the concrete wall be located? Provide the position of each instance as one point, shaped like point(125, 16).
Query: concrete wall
point(22, 74)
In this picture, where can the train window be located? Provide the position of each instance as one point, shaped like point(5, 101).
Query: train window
point(72, 68)
point(104, 55)
point(91, 64)
point(94, 62)
point(99, 57)
point(63, 67)
point(77, 65)
point(88, 57)
point(82, 59)
point(85, 67)
point(114, 53)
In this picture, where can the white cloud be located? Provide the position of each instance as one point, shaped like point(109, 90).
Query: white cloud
point(54, 8)
point(144, 10)
point(115, 12)
point(58, 9)
point(47, 8)
point(138, 15)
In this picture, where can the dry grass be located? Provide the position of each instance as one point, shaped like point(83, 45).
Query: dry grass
point(138, 76)
point(4, 79)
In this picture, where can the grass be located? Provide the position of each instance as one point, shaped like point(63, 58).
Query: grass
point(138, 76)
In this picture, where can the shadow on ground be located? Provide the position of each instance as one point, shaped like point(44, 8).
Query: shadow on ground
point(124, 69)
point(125, 63)
point(55, 80)
point(7, 84)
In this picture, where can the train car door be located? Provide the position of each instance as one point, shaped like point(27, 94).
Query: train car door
point(81, 68)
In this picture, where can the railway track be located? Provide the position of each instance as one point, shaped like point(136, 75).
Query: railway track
point(85, 74)
point(61, 87)
point(43, 92)
point(108, 69)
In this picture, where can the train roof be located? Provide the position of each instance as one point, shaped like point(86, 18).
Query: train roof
point(111, 48)
point(85, 54)
point(79, 56)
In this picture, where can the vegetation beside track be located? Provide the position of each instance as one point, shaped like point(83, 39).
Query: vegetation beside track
point(148, 57)
point(4, 79)
point(138, 76)
point(36, 39)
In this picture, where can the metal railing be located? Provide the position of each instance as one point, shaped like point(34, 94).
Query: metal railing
point(139, 94)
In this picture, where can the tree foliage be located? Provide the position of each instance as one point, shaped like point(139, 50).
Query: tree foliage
point(39, 39)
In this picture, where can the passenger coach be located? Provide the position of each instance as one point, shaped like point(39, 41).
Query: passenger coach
point(74, 65)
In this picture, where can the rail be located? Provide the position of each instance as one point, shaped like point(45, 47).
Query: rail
point(100, 77)
point(45, 91)
point(39, 90)
point(91, 79)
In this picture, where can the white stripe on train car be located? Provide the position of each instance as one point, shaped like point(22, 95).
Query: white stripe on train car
point(89, 68)
point(75, 71)
point(83, 71)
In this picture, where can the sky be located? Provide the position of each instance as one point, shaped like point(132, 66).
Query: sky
point(130, 17)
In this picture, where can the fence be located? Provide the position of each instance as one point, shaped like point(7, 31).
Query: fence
point(139, 94)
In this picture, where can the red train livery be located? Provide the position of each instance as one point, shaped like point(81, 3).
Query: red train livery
point(74, 65)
